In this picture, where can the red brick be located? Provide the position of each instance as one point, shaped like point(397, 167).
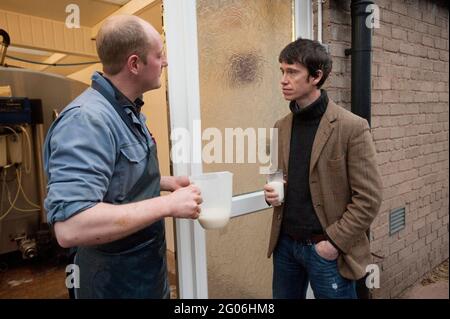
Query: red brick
point(434, 30)
point(381, 133)
point(419, 244)
point(398, 33)
point(429, 17)
point(427, 41)
point(390, 96)
point(441, 44)
point(414, 37)
point(430, 238)
point(399, 7)
point(406, 22)
point(414, 12)
point(381, 83)
point(443, 55)
point(434, 54)
point(440, 66)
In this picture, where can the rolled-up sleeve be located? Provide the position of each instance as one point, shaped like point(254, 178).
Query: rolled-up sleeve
point(79, 159)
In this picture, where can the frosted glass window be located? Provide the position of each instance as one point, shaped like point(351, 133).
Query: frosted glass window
point(239, 43)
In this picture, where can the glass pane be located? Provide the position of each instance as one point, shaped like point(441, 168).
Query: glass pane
point(239, 44)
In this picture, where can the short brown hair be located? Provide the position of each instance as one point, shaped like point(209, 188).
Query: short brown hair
point(117, 40)
point(311, 54)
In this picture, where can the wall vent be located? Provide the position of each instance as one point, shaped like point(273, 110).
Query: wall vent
point(396, 220)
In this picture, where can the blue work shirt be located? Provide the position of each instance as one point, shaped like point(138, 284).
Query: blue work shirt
point(90, 155)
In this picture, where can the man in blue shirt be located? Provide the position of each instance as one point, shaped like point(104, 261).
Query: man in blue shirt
point(103, 176)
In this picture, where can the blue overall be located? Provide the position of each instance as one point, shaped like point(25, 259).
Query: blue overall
point(135, 266)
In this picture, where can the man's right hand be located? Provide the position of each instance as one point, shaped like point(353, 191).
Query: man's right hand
point(185, 202)
point(271, 196)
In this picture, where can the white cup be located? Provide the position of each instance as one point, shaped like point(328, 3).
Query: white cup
point(276, 180)
point(217, 194)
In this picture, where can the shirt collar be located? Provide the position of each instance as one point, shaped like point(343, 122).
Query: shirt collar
point(120, 97)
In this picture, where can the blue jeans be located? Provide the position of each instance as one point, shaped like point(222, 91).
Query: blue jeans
point(296, 264)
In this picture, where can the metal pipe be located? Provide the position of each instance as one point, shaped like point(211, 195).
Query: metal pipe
point(4, 45)
point(38, 141)
point(303, 12)
point(361, 52)
point(319, 21)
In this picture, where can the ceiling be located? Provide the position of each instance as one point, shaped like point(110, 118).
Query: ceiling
point(91, 13)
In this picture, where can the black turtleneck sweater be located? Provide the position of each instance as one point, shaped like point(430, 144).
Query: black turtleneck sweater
point(299, 216)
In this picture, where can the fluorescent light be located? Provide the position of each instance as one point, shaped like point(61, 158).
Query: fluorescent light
point(12, 48)
point(118, 2)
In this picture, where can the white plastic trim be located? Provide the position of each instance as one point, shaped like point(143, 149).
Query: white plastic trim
point(180, 22)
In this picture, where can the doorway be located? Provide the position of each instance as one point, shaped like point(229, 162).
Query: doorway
point(223, 73)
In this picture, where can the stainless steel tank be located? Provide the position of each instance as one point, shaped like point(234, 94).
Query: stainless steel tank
point(55, 92)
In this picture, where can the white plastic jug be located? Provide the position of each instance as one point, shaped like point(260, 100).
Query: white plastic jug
point(217, 192)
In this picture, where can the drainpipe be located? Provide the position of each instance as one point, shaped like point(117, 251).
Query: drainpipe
point(361, 52)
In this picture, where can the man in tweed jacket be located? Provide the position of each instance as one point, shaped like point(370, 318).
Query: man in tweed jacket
point(333, 188)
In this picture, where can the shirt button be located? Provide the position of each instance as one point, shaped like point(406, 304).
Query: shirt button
point(279, 217)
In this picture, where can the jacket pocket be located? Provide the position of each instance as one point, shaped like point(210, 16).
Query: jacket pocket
point(337, 172)
point(336, 163)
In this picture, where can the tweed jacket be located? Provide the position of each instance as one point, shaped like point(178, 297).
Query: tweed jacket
point(345, 184)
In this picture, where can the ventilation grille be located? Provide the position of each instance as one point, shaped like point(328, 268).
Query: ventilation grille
point(396, 221)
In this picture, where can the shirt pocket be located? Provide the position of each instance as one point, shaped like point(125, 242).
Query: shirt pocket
point(134, 153)
point(130, 166)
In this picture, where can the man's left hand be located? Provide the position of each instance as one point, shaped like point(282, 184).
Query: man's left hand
point(181, 181)
point(326, 250)
point(172, 183)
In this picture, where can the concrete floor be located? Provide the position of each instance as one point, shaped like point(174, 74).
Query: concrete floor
point(434, 285)
point(45, 278)
point(30, 279)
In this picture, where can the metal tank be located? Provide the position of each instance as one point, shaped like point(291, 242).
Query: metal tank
point(24, 229)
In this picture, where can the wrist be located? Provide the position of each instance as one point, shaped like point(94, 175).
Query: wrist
point(333, 243)
point(166, 206)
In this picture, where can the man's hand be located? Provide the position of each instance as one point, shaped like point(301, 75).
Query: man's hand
point(326, 250)
point(271, 196)
point(185, 202)
point(181, 181)
point(172, 183)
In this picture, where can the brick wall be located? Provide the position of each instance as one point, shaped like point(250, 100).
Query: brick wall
point(410, 113)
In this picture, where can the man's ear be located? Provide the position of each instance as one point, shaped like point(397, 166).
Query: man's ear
point(132, 63)
point(317, 77)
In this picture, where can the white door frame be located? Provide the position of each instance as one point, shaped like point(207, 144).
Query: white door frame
point(180, 24)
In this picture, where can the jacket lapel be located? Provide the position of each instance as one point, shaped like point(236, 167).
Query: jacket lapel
point(324, 131)
point(285, 138)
